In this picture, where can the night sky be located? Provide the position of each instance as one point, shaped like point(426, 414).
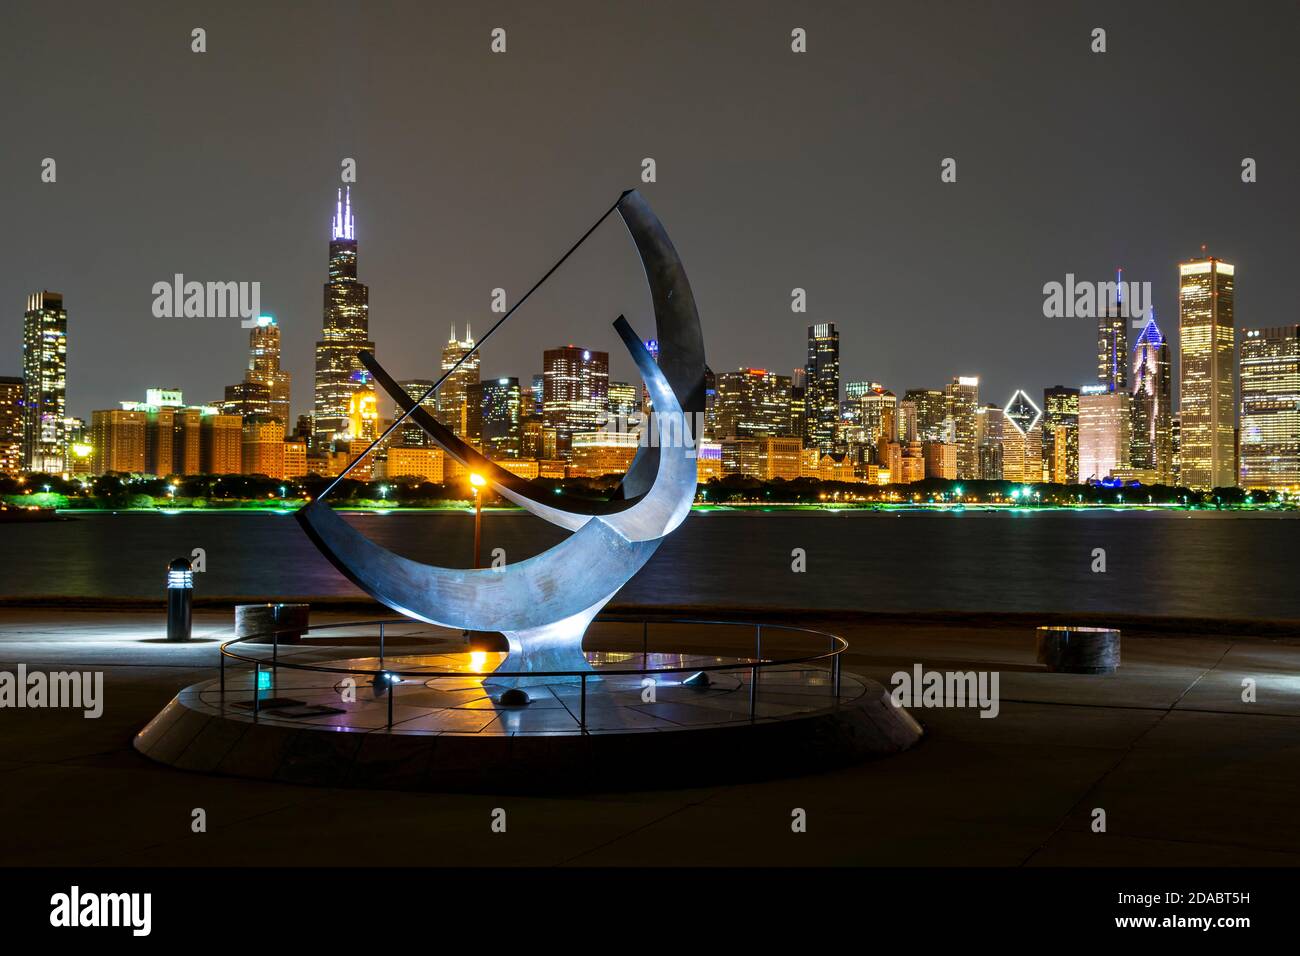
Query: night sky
point(775, 170)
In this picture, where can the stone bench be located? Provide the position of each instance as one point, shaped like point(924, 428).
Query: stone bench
point(263, 622)
point(1069, 649)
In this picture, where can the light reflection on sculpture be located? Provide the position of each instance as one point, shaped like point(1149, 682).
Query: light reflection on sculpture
point(544, 604)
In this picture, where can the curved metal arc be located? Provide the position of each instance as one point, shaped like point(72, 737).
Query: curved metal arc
point(577, 577)
point(677, 326)
point(528, 594)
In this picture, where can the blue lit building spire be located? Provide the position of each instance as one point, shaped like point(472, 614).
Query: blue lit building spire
point(1151, 334)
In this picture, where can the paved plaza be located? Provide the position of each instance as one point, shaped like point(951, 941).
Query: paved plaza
point(1185, 770)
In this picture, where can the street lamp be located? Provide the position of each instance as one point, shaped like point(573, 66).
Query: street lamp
point(476, 482)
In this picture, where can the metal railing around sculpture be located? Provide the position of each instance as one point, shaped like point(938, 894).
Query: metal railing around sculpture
point(836, 647)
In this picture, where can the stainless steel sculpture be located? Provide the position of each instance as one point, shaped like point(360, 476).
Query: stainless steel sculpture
point(543, 605)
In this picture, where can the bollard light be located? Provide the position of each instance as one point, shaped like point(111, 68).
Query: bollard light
point(180, 600)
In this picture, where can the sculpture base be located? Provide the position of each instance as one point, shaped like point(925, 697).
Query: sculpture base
point(548, 650)
point(452, 733)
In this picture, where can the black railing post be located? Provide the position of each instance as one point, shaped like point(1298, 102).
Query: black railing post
point(381, 643)
point(753, 689)
point(391, 690)
point(582, 721)
point(257, 686)
point(833, 672)
point(221, 655)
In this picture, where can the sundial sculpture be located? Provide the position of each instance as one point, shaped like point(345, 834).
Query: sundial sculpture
point(544, 604)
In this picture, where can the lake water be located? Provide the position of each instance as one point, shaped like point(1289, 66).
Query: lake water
point(1200, 564)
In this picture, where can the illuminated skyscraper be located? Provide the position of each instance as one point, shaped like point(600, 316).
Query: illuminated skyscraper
point(1205, 383)
point(411, 435)
point(1152, 439)
point(753, 403)
point(494, 417)
point(853, 394)
point(264, 367)
point(247, 399)
point(262, 447)
point(822, 388)
point(907, 427)
point(221, 444)
point(45, 382)
point(119, 440)
point(878, 411)
point(172, 434)
point(163, 430)
point(11, 425)
point(624, 399)
point(346, 330)
point(963, 395)
point(931, 413)
point(575, 391)
point(453, 407)
point(1022, 439)
point(363, 413)
point(537, 439)
point(539, 393)
point(1270, 408)
point(990, 425)
point(1112, 340)
point(1061, 435)
point(711, 407)
point(1105, 432)
point(77, 449)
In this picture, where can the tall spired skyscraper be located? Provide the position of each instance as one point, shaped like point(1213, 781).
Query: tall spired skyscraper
point(1152, 439)
point(453, 397)
point(1206, 390)
point(822, 385)
point(45, 382)
point(346, 330)
point(1112, 340)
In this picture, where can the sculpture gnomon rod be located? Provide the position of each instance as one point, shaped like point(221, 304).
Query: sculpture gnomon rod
point(465, 357)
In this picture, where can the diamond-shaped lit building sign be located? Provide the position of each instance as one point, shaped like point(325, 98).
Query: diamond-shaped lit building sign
point(1022, 412)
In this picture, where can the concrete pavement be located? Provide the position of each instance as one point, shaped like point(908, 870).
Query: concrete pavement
point(1185, 770)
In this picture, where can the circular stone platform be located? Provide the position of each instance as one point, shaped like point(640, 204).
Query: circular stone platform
point(451, 733)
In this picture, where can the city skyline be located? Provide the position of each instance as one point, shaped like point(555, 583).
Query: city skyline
point(822, 338)
point(448, 214)
point(1122, 431)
